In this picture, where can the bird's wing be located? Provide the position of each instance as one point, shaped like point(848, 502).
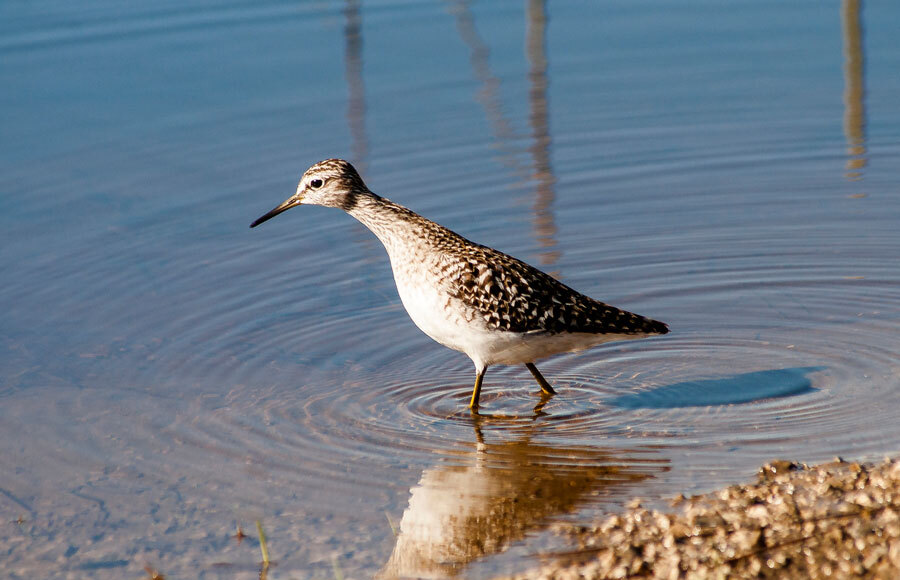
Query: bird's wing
point(511, 295)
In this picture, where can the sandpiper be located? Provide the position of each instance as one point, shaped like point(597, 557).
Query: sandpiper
point(469, 297)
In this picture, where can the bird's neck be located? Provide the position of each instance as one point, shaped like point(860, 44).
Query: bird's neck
point(393, 224)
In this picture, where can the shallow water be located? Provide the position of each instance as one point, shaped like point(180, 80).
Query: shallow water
point(169, 374)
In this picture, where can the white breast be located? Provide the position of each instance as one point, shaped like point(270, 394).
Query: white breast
point(437, 314)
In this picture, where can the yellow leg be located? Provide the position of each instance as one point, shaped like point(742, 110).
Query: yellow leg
point(476, 392)
point(539, 408)
point(545, 386)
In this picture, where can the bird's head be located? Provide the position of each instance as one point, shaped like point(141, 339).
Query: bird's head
point(332, 183)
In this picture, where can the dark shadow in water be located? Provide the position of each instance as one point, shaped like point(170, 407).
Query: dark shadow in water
point(736, 389)
point(481, 500)
point(854, 88)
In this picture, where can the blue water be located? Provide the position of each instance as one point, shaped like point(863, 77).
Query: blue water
point(168, 374)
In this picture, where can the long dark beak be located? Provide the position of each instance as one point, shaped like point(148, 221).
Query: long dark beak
point(288, 204)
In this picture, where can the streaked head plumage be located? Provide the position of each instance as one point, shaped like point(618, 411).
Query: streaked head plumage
point(331, 183)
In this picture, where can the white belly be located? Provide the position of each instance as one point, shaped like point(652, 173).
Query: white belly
point(522, 347)
point(438, 315)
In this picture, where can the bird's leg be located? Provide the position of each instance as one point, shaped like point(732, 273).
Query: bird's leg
point(545, 386)
point(476, 392)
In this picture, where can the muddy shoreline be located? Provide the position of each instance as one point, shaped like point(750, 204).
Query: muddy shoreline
point(834, 520)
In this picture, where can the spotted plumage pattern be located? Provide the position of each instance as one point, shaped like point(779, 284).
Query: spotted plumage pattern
point(513, 296)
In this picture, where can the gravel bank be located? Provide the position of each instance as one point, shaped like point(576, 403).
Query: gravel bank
point(836, 520)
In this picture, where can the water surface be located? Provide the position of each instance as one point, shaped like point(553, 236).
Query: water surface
point(169, 374)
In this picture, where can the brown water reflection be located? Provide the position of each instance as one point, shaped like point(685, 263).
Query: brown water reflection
point(482, 500)
point(854, 88)
point(539, 118)
point(488, 96)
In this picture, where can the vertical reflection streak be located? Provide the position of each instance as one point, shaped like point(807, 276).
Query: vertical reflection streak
point(854, 88)
point(535, 48)
point(356, 101)
point(356, 113)
point(489, 94)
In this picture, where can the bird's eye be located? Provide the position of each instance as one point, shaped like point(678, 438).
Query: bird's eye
point(315, 183)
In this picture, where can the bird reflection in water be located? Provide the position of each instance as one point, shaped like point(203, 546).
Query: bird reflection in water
point(479, 501)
